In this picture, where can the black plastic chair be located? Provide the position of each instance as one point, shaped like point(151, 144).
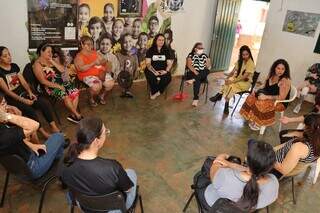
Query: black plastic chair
point(199, 186)
point(34, 84)
point(205, 84)
point(104, 203)
point(253, 84)
point(15, 165)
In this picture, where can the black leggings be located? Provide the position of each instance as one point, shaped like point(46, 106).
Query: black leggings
point(29, 111)
point(155, 84)
point(201, 77)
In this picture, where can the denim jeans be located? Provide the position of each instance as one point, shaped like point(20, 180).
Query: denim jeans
point(131, 194)
point(39, 165)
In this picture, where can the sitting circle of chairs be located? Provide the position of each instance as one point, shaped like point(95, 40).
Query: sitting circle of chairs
point(222, 183)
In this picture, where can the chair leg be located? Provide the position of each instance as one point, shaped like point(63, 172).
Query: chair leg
point(188, 202)
point(72, 208)
point(4, 189)
point(316, 171)
point(262, 130)
point(43, 193)
point(267, 209)
point(207, 88)
point(141, 205)
point(235, 107)
point(292, 189)
point(280, 124)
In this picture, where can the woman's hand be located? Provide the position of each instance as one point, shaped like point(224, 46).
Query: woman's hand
point(32, 96)
point(162, 72)
point(284, 120)
point(263, 97)
point(222, 162)
point(27, 101)
point(196, 72)
point(36, 147)
point(60, 87)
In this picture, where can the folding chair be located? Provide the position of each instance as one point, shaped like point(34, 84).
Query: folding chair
point(253, 84)
point(15, 165)
point(293, 94)
point(104, 203)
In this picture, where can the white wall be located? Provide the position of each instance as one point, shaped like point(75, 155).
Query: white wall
point(192, 25)
point(14, 33)
point(296, 49)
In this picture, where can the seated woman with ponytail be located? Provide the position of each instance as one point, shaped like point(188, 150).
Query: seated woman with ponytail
point(304, 149)
point(250, 187)
point(85, 172)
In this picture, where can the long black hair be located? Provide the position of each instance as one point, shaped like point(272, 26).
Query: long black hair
point(2, 48)
point(240, 59)
point(88, 130)
point(154, 43)
point(286, 73)
point(260, 160)
point(194, 47)
point(311, 132)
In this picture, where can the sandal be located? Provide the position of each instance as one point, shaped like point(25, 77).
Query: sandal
point(93, 103)
point(102, 101)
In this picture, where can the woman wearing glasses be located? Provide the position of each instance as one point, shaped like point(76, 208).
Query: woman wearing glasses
point(85, 172)
point(19, 94)
point(198, 65)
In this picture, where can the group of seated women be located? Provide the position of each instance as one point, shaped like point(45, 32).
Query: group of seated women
point(255, 185)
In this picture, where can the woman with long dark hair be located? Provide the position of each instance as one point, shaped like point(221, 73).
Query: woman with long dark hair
point(239, 79)
point(159, 63)
point(250, 187)
point(198, 65)
point(87, 173)
point(305, 149)
point(259, 107)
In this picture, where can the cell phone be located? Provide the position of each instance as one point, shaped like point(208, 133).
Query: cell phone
point(41, 152)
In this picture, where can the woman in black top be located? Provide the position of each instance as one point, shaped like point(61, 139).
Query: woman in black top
point(87, 173)
point(198, 65)
point(159, 63)
point(19, 94)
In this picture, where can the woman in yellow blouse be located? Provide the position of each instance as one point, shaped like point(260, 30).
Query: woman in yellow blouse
point(239, 79)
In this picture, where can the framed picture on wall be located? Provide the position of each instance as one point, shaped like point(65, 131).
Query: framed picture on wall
point(130, 8)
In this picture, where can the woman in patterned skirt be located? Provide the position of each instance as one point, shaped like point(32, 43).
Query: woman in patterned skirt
point(259, 107)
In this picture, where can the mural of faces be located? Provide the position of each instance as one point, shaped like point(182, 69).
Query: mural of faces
point(127, 43)
point(143, 41)
point(84, 14)
point(136, 28)
point(105, 45)
point(118, 28)
point(153, 26)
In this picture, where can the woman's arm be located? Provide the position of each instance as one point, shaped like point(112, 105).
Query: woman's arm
point(5, 89)
point(208, 63)
point(150, 67)
point(190, 67)
point(284, 88)
point(81, 66)
point(286, 120)
point(61, 68)
point(297, 151)
point(169, 65)
point(41, 78)
point(28, 125)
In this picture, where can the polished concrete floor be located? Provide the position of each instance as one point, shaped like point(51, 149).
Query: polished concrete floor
point(165, 141)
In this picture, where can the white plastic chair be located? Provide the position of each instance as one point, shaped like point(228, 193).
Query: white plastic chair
point(293, 95)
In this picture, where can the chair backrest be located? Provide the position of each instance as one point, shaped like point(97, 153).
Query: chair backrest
point(30, 77)
point(14, 164)
point(254, 80)
point(224, 205)
point(101, 203)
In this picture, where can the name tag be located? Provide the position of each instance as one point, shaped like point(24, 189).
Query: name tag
point(159, 58)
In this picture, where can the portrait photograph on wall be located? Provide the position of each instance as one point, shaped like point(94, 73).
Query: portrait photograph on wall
point(130, 8)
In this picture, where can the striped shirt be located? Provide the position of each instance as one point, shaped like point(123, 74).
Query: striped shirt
point(283, 151)
point(198, 61)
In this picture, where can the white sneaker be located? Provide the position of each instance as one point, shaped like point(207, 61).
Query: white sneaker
point(297, 109)
point(254, 127)
point(155, 95)
point(195, 103)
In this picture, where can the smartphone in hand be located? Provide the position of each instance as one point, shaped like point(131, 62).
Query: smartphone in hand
point(41, 152)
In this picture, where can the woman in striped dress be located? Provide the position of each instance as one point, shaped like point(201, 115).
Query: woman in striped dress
point(198, 65)
point(305, 149)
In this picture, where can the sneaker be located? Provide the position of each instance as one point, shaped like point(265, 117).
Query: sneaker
point(155, 95)
point(190, 82)
point(297, 109)
point(195, 103)
point(73, 119)
point(216, 98)
point(128, 94)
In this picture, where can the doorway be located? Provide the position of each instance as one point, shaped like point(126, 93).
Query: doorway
point(249, 29)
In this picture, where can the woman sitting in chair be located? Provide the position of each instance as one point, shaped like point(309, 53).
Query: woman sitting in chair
point(259, 108)
point(159, 62)
point(304, 149)
point(239, 79)
point(250, 187)
point(16, 139)
point(85, 172)
point(48, 70)
point(198, 65)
